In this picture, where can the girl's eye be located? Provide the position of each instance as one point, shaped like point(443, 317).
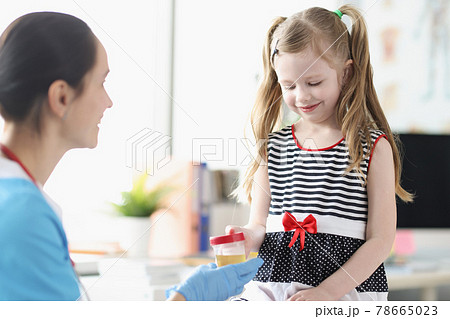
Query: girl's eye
point(291, 87)
point(315, 83)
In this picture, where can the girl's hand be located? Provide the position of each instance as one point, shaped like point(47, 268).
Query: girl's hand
point(248, 234)
point(313, 294)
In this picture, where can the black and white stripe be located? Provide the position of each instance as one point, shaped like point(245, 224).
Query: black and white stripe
point(310, 181)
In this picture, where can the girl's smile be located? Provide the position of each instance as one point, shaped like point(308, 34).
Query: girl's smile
point(308, 108)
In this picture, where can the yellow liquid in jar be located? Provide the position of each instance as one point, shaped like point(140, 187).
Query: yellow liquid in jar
point(253, 254)
point(222, 260)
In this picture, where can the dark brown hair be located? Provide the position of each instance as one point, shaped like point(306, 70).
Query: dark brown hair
point(36, 50)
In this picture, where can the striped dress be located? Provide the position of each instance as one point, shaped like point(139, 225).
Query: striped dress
point(308, 181)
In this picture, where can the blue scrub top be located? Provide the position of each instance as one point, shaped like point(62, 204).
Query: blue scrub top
point(34, 256)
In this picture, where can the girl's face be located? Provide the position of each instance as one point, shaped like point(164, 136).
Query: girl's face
point(84, 115)
point(310, 87)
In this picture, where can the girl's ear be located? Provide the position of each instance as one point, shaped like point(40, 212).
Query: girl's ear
point(348, 71)
point(60, 95)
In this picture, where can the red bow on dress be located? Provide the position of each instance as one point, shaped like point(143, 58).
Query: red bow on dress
point(309, 224)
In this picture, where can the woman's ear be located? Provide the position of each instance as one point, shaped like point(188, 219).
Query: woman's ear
point(348, 71)
point(59, 97)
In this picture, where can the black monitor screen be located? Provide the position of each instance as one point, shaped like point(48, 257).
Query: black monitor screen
point(426, 173)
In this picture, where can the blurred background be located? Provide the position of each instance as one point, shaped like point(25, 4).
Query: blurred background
point(183, 79)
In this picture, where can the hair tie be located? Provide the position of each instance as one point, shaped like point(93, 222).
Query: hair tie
point(275, 50)
point(338, 13)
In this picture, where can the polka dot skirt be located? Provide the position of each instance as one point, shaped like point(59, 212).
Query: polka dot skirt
point(321, 256)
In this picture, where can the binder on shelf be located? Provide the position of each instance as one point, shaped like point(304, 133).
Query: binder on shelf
point(183, 227)
point(205, 188)
point(215, 188)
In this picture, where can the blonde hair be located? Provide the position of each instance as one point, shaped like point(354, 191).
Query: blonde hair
point(357, 109)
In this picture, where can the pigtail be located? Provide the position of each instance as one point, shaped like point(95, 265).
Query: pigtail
point(359, 104)
point(266, 112)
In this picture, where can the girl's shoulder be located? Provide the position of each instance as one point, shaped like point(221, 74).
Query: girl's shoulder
point(283, 134)
point(374, 136)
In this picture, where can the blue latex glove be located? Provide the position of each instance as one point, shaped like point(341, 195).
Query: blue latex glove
point(208, 282)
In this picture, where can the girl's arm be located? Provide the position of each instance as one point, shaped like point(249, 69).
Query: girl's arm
point(380, 231)
point(255, 229)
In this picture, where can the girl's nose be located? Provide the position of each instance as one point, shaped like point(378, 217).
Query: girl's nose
point(302, 97)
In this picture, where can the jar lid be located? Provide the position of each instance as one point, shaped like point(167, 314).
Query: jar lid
point(226, 239)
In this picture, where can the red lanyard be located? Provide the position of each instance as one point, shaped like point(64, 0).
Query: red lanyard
point(9, 154)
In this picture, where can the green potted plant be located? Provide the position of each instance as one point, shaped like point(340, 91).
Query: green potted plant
point(136, 207)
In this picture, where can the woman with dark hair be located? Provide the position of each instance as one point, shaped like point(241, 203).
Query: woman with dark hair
point(52, 70)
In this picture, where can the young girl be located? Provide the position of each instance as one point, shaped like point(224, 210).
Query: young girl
point(322, 191)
